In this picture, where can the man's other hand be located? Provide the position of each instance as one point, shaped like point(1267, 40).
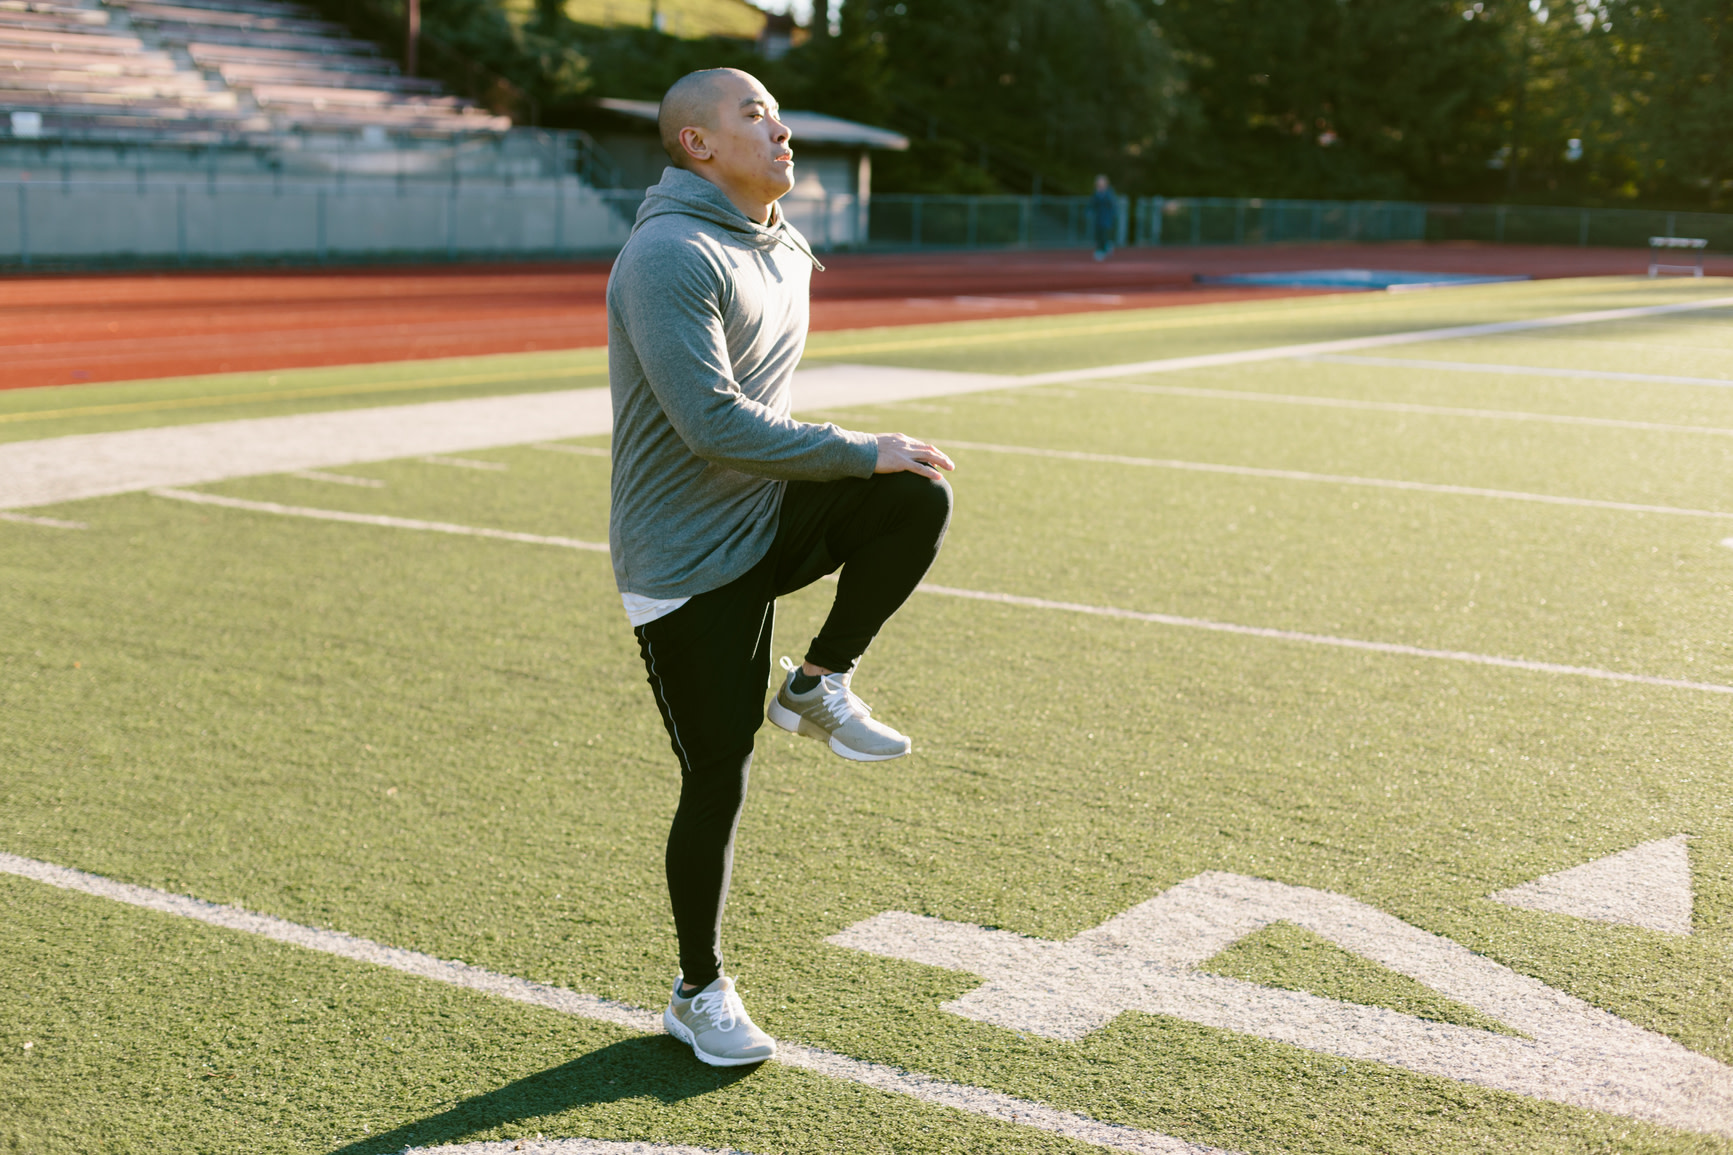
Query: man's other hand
point(899, 452)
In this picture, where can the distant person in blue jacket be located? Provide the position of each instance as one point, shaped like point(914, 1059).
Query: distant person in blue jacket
point(1104, 215)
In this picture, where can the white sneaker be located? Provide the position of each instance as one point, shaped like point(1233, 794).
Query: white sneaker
point(714, 1023)
point(831, 713)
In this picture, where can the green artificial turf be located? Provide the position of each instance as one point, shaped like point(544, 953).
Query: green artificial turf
point(1047, 344)
point(446, 744)
point(1293, 958)
point(244, 1045)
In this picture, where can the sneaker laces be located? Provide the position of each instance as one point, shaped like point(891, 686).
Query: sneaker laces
point(841, 701)
point(722, 1007)
point(838, 698)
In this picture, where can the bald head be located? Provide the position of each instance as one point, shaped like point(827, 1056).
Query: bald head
point(723, 125)
point(695, 101)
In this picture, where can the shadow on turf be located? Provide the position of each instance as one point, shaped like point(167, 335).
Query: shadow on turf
point(651, 1066)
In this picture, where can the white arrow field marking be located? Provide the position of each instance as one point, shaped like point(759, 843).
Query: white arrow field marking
point(1147, 958)
point(1647, 886)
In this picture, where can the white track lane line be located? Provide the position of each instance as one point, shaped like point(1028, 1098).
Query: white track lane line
point(1323, 639)
point(373, 519)
point(1005, 599)
point(1521, 370)
point(1407, 407)
point(1412, 337)
point(50, 522)
point(974, 1100)
point(1333, 479)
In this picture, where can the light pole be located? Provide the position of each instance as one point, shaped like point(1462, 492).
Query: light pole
point(413, 33)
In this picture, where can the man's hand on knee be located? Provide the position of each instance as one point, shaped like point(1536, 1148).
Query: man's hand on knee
point(899, 452)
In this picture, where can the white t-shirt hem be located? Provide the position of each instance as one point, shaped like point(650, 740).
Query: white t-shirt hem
point(641, 611)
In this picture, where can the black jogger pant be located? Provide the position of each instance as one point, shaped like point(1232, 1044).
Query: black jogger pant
point(709, 664)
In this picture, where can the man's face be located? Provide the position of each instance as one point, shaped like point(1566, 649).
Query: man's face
point(749, 145)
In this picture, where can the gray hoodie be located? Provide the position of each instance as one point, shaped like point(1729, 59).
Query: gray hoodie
point(707, 315)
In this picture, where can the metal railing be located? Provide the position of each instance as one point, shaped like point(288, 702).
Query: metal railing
point(935, 221)
point(1255, 220)
point(161, 221)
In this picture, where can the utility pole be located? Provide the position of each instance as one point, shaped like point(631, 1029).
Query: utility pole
point(413, 34)
point(821, 18)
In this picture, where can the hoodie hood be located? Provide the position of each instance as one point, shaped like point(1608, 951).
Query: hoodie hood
point(687, 194)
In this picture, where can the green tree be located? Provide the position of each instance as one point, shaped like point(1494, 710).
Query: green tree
point(995, 93)
point(1357, 98)
point(1678, 60)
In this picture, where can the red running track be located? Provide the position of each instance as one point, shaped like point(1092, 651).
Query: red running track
point(57, 330)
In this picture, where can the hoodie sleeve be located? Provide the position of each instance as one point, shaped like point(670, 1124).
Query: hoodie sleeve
point(673, 318)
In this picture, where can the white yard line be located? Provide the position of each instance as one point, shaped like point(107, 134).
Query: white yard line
point(1522, 370)
point(1323, 639)
point(1408, 407)
point(575, 450)
point(50, 522)
point(1333, 479)
point(97, 464)
point(338, 478)
point(1383, 340)
point(975, 1100)
point(374, 519)
point(564, 1147)
point(465, 463)
point(272, 507)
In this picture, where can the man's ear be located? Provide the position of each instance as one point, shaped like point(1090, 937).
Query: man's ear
point(692, 140)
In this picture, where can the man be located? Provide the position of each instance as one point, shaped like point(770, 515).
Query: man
point(721, 502)
point(1104, 215)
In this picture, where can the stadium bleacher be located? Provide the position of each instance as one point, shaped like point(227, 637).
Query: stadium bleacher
point(209, 72)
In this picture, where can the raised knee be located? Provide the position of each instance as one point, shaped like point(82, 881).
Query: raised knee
point(930, 497)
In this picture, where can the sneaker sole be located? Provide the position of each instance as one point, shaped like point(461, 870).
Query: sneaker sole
point(678, 1029)
point(796, 724)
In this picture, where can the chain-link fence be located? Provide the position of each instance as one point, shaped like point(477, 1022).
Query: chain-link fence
point(1251, 221)
point(907, 221)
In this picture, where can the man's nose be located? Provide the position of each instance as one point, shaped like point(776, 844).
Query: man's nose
point(779, 131)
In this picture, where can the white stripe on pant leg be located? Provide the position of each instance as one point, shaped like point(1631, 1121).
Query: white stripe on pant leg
point(975, 1100)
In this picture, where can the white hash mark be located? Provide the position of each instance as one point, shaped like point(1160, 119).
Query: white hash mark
point(1147, 960)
